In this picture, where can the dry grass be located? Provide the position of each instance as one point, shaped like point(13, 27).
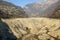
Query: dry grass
point(35, 28)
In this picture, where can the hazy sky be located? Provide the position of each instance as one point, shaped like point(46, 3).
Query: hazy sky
point(22, 3)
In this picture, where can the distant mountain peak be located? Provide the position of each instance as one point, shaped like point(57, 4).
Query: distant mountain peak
point(42, 9)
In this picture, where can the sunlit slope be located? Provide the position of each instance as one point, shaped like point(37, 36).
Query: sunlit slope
point(35, 28)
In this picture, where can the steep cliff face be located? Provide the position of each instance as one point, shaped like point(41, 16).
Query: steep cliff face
point(9, 10)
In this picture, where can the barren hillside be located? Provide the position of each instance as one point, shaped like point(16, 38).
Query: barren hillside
point(31, 28)
point(41, 9)
point(35, 28)
point(42, 28)
point(9, 10)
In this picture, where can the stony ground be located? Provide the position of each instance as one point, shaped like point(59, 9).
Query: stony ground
point(35, 28)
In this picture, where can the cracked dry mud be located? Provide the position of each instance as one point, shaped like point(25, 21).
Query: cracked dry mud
point(35, 28)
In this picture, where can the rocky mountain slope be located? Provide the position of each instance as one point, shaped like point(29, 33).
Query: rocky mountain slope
point(42, 28)
point(9, 10)
point(42, 9)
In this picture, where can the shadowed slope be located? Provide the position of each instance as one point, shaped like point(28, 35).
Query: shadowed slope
point(5, 32)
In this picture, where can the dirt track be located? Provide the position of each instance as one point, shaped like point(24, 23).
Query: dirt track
point(35, 28)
